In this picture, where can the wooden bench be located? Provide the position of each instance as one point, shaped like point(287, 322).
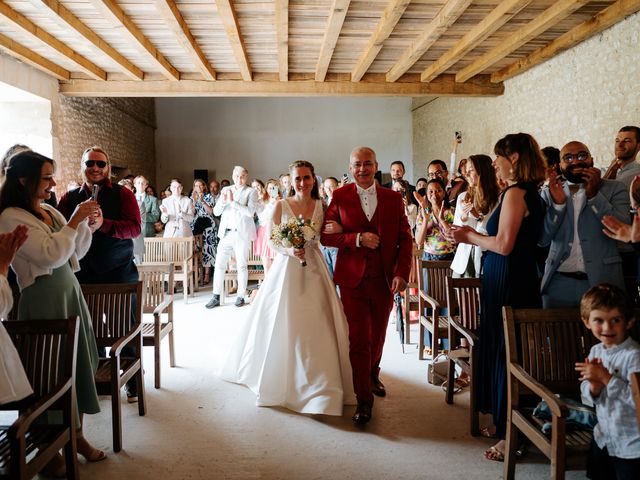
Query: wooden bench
point(178, 251)
point(255, 272)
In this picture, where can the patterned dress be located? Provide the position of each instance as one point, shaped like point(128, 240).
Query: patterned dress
point(210, 234)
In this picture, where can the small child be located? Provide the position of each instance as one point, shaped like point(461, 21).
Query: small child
point(615, 449)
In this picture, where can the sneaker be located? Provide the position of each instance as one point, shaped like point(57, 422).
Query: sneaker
point(132, 395)
point(239, 301)
point(214, 302)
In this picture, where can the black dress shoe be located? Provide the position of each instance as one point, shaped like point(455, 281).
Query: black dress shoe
point(377, 387)
point(239, 302)
point(214, 302)
point(363, 414)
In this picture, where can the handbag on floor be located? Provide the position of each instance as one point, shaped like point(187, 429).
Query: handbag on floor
point(437, 369)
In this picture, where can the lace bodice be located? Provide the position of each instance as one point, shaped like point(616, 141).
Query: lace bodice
point(316, 219)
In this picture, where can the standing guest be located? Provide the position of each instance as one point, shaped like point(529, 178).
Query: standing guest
point(151, 191)
point(438, 219)
point(509, 275)
point(177, 212)
point(437, 169)
point(330, 253)
point(44, 268)
point(374, 261)
point(625, 167)
point(473, 208)
point(266, 222)
point(128, 184)
point(581, 255)
point(148, 203)
point(116, 224)
point(421, 183)
point(285, 185)
point(214, 190)
point(205, 224)
point(403, 188)
point(236, 207)
point(263, 228)
point(552, 156)
point(14, 384)
point(606, 384)
point(397, 172)
point(224, 183)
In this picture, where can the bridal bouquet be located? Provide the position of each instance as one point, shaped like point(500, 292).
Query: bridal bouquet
point(294, 233)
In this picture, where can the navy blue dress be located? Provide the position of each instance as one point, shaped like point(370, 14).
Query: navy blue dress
point(506, 280)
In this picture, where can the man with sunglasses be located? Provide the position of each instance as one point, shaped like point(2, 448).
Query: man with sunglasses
point(110, 257)
point(581, 255)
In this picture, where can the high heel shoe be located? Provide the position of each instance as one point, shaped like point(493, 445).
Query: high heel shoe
point(88, 451)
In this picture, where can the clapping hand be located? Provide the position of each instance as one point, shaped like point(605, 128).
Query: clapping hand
point(595, 373)
point(10, 243)
point(422, 201)
point(621, 231)
point(459, 234)
point(556, 188)
point(634, 192)
point(592, 181)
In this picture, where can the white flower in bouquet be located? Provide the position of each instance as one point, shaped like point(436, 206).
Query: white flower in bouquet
point(309, 232)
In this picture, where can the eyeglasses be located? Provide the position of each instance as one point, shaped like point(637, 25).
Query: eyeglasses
point(572, 157)
point(436, 174)
point(91, 163)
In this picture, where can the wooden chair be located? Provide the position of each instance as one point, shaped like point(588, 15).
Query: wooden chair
point(112, 307)
point(47, 349)
point(542, 349)
point(463, 305)
point(157, 300)
point(180, 252)
point(410, 300)
point(255, 272)
point(635, 385)
point(432, 295)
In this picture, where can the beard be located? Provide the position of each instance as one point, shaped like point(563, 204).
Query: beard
point(572, 175)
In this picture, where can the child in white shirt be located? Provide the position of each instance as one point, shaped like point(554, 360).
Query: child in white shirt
point(615, 449)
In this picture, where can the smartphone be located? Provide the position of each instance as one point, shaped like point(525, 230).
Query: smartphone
point(459, 137)
point(94, 193)
point(345, 178)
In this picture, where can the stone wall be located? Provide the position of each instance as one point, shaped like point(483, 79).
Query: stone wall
point(586, 93)
point(124, 127)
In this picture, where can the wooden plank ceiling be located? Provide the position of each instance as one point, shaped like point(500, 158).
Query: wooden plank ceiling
point(294, 47)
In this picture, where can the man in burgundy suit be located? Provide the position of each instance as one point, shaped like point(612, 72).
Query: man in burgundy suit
point(374, 260)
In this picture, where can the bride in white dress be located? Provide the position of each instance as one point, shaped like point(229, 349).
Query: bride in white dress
point(293, 351)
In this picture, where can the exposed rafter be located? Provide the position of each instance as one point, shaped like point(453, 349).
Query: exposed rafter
point(178, 26)
point(228, 17)
point(298, 85)
point(65, 17)
point(25, 25)
point(334, 25)
point(27, 56)
point(552, 15)
point(613, 14)
point(447, 15)
point(282, 38)
point(387, 23)
point(492, 22)
point(111, 10)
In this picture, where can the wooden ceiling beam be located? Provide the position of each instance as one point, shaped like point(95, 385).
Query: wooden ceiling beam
point(230, 22)
point(282, 38)
point(169, 10)
point(23, 24)
point(447, 15)
point(390, 17)
point(339, 10)
point(66, 18)
point(558, 11)
point(334, 85)
point(112, 11)
point(611, 15)
point(492, 22)
point(30, 57)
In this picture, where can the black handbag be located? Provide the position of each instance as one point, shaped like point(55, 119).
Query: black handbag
point(201, 224)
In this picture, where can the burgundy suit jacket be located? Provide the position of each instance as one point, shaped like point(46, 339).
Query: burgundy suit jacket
point(396, 243)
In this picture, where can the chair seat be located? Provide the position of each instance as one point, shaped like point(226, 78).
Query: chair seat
point(443, 323)
point(148, 332)
point(35, 437)
point(103, 374)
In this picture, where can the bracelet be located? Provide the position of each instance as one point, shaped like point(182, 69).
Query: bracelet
point(633, 211)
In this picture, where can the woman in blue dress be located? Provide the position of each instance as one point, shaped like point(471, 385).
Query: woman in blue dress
point(509, 271)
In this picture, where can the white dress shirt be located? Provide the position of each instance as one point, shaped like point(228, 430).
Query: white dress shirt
point(575, 261)
point(368, 200)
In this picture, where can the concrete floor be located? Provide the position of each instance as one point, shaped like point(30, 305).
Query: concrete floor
point(200, 427)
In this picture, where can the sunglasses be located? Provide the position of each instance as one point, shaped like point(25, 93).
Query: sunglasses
point(91, 163)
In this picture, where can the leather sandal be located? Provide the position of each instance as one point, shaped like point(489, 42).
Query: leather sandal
point(494, 454)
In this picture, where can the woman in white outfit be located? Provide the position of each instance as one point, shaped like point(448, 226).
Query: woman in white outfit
point(177, 212)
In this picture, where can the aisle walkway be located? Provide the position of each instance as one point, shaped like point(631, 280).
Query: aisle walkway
point(200, 427)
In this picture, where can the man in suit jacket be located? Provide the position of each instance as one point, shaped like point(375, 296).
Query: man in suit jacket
point(149, 208)
point(236, 208)
point(374, 260)
point(581, 255)
point(397, 172)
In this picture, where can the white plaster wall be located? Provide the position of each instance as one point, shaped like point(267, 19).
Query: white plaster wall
point(586, 93)
point(266, 134)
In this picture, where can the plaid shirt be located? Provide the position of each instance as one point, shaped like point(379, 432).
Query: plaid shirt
point(617, 427)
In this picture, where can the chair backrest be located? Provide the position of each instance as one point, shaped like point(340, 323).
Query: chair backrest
point(463, 300)
point(435, 273)
point(635, 387)
point(47, 349)
point(153, 279)
point(114, 309)
point(166, 250)
point(547, 344)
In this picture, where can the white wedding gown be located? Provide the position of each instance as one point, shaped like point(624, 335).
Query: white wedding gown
point(293, 351)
